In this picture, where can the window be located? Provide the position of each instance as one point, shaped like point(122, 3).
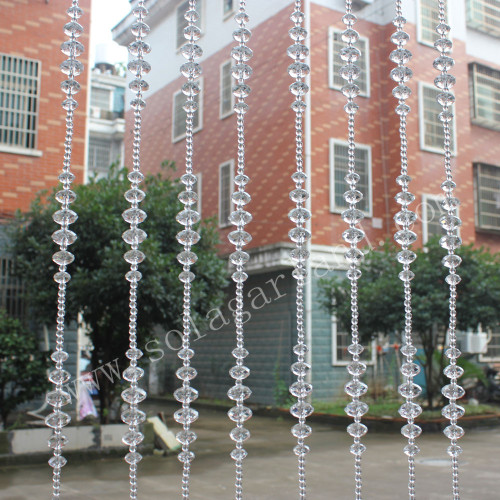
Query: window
point(99, 154)
point(182, 23)
point(179, 115)
point(487, 190)
point(431, 128)
point(428, 19)
point(431, 213)
point(100, 98)
point(485, 84)
point(227, 7)
point(226, 177)
point(11, 289)
point(484, 15)
point(19, 94)
point(226, 91)
point(339, 169)
point(341, 340)
point(493, 352)
point(335, 63)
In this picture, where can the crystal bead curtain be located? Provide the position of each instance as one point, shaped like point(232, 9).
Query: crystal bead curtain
point(240, 217)
point(64, 237)
point(133, 395)
point(188, 217)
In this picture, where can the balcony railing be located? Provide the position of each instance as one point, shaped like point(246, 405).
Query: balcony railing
point(484, 15)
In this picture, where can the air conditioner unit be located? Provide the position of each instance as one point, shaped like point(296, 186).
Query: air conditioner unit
point(473, 342)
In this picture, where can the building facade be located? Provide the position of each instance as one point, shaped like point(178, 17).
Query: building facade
point(270, 156)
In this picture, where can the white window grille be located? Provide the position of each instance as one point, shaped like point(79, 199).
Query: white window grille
point(485, 83)
point(226, 178)
point(99, 153)
point(431, 128)
point(340, 342)
point(431, 212)
point(339, 169)
point(428, 19)
point(100, 98)
point(182, 23)
point(335, 63)
point(487, 190)
point(226, 92)
point(19, 101)
point(493, 352)
point(179, 115)
point(484, 15)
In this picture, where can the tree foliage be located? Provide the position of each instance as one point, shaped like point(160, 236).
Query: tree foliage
point(381, 307)
point(98, 289)
point(22, 366)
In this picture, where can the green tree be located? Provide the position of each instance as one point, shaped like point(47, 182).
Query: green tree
point(98, 289)
point(22, 366)
point(381, 299)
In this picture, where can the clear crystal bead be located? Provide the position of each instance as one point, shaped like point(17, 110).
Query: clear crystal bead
point(353, 196)
point(353, 235)
point(239, 414)
point(453, 432)
point(299, 215)
point(410, 369)
point(411, 450)
point(134, 256)
point(444, 82)
point(301, 409)
point(64, 237)
point(405, 217)
point(58, 398)
point(133, 458)
point(186, 415)
point(300, 368)
point(63, 258)
point(405, 237)
point(355, 349)
point(62, 277)
point(452, 352)
point(357, 449)
point(57, 441)
point(450, 242)
point(301, 431)
point(356, 409)
point(300, 389)
point(239, 372)
point(239, 257)
point(451, 261)
point(406, 257)
point(298, 51)
point(240, 217)
point(186, 276)
point(59, 376)
point(57, 419)
point(188, 237)
point(133, 395)
point(134, 215)
point(133, 373)
point(133, 416)
point(186, 373)
point(409, 390)
point(187, 258)
point(239, 392)
point(133, 438)
point(59, 356)
point(356, 368)
point(452, 391)
point(411, 431)
point(410, 410)
point(453, 279)
point(186, 436)
point(241, 198)
point(357, 429)
point(57, 462)
point(239, 434)
point(409, 350)
point(135, 195)
point(355, 388)
point(352, 216)
point(453, 371)
point(238, 454)
point(241, 72)
point(454, 450)
point(186, 394)
point(299, 235)
point(134, 353)
point(239, 237)
point(299, 195)
point(301, 449)
point(134, 236)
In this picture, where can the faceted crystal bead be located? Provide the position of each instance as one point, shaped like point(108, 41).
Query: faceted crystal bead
point(186, 373)
point(299, 272)
point(185, 353)
point(300, 349)
point(57, 462)
point(350, 36)
point(301, 431)
point(241, 54)
point(57, 419)
point(59, 376)
point(399, 22)
point(298, 70)
point(238, 454)
point(58, 398)
point(239, 414)
point(132, 438)
point(134, 216)
point(452, 391)
point(410, 369)
point(139, 66)
point(298, 33)
point(239, 372)
point(62, 277)
point(64, 237)
point(401, 74)
point(450, 203)
point(299, 106)
point(411, 431)
point(188, 237)
point(138, 85)
point(452, 352)
point(443, 45)
point(75, 12)
point(446, 116)
point(192, 33)
point(453, 432)
point(297, 17)
point(299, 254)
point(356, 368)
point(187, 258)
point(400, 38)
point(411, 450)
point(403, 109)
point(300, 368)
point(355, 349)
point(301, 449)
point(190, 89)
point(71, 67)
point(299, 235)
point(350, 90)
point(353, 274)
point(454, 450)
point(453, 279)
point(453, 371)
point(406, 276)
point(65, 196)
point(450, 222)
point(139, 47)
point(357, 449)
point(453, 410)
point(69, 104)
point(403, 180)
point(300, 389)
point(134, 354)
point(191, 50)
point(410, 410)
point(404, 198)
point(353, 196)
point(351, 108)
point(239, 392)
point(133, 373)
point(298, 51)
point(191, 70)
point(350, 72)
point(241, 198)
point(63, 258)
point(409, 350)
point(242, 35)
point(56, 441)
point(400, 56)
point(409, 390)
point(405, 217)
point(133, 276)
point(444, 82)
point(239, 237)
point(135, 195)
point(239, 352)
point(239, 258)
point(352, 215)
point(241, 71)
point(70, 87)
point(59, 356)
point(65, 216)
point(239, 434)
point(240, 217)
point(451, 261)
point(299, 88)
point(299, 195)
point(299, 215)
point(357, 429)
point(450, 242)
point(355, 388)
point(241, 90)
point(73, 29)
point(188, 197)
point(186, 394)
point(356, 409)
point(349, 54)
point(353, 235)
point(406, 257)
point(188, 217)
point(186, 437)
point(134, 256)
point(301, 409)
point(354, 255)
point(134, 236)
point(443, 63)
point(446, 99)
point(133, 458)
point(405, 237)
point(140, 29)
point(186, 415)
point(133, 416)
point(134, 395)
point(401, 92)
point(241, 180)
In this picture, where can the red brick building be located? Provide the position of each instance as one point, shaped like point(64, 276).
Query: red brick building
point(270, 145)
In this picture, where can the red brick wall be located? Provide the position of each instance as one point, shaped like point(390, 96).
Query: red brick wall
point(34, 29)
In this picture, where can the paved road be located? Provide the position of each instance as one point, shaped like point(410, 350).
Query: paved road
point(269, 470)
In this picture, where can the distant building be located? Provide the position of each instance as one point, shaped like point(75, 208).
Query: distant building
point(270, 155)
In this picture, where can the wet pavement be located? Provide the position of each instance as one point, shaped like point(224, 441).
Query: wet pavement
point(270, 469)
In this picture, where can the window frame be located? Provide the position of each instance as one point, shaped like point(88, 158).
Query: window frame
point(477, 200)
point(421, 123)
point(12, 289)
point(25, 132)
point(227, 15)
point(107, 89)
point(425, 227)
point(230, 163)
point(223, 114)
point(484, 358)
point(199, 4)
point(366, 147)
point(333, 56)
point(474, 70)
point(420, 38)
point(199, 111)
point(476, 24)
point(340, 362)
